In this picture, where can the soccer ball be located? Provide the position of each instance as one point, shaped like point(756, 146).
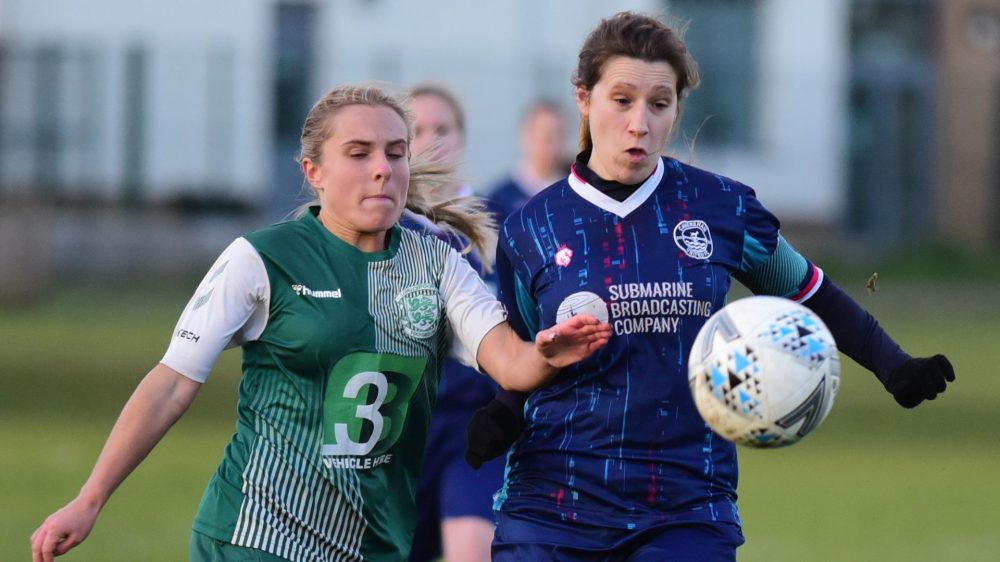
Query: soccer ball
point(764, 371)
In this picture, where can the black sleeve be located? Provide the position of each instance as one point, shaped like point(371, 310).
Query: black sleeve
point(856, 332)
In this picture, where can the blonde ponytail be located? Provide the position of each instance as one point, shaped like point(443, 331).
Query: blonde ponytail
point(429, 177)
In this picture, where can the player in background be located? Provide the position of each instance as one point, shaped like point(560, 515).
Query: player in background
point(542, 160)
point(542, 163)
point(343, 318)
point(614, 461)
point(454, 502)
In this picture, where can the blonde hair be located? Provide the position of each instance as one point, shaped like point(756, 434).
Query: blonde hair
point(460, 215)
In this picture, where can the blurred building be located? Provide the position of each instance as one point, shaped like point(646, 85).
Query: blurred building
point(880, 116)
point(967, 179)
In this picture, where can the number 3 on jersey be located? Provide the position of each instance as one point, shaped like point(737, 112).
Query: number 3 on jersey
point(366, 400)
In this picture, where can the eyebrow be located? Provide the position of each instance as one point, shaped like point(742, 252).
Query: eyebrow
point(369, 144)
point(632, 86)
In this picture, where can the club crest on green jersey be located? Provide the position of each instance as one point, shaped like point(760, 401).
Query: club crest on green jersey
point(419, 310)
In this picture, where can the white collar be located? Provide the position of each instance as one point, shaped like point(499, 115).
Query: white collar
point(620, 208)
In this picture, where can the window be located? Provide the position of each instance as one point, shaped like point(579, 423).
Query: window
point(721, 37)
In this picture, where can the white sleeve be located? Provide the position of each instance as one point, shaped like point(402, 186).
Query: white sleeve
point(229, 308)
point(471, 307)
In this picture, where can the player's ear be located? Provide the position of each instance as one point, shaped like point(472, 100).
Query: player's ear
point(312, 173)
point(583, 100)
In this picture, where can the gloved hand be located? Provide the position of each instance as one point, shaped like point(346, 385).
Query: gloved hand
point(491, 431)
point(919, 379)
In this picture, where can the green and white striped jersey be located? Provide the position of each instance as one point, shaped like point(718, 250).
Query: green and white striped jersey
point(341, 354)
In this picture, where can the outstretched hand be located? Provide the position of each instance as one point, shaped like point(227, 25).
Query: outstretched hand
point(919, 379)
point(572, 340)
point(63, 530)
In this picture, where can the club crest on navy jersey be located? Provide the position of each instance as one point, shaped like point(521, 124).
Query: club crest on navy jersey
point(694, 238)
point(420, 310)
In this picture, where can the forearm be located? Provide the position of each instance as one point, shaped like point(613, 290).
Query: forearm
point(857, 333)
point(157, 403)
point(513, 363)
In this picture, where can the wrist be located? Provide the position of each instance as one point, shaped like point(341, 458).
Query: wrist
point(898, 360)
point(92, 498)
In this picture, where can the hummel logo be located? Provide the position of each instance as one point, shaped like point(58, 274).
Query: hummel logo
point(304, 291)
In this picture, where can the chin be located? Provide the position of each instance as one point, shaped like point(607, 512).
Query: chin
point(630, 173)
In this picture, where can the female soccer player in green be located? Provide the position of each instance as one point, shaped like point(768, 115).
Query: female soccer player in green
point(344, 319)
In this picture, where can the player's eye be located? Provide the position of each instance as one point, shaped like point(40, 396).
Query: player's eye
point(620, 100)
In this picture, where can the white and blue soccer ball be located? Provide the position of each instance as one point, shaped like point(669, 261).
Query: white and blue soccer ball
point(764, 371)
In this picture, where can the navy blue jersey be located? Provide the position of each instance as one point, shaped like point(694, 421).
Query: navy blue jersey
point(507, 197)
point(615, 442)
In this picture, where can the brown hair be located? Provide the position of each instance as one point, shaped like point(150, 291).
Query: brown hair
point(637, 36)
point(464, 215)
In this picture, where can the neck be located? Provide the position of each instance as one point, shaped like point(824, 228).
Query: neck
point(365, 241)
point(605, 173)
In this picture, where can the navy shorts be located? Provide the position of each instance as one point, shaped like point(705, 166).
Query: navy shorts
point(451, 488)
point(670, 542)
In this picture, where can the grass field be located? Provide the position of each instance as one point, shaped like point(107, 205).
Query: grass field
point(875, 482)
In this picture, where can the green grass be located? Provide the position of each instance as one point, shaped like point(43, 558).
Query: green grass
point(875, 482)
point(69, 365)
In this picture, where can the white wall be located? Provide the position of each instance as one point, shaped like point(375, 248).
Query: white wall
point(798, 163)
point(498, 56)
point(179, 35)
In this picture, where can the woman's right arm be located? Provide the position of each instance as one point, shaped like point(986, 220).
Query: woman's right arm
point(229, 307)
point(158, 402)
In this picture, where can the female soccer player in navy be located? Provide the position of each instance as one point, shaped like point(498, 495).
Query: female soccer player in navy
point(343, 318)
point(614, 462)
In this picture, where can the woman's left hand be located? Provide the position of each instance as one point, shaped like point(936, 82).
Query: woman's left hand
point(572, 340)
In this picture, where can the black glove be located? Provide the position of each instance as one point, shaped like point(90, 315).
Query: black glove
point(919, 379)
point(491, 431)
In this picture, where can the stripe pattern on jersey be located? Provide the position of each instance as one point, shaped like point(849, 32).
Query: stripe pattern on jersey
point(286, 497)
point(293, 505)
point(387, 279)
point(266, 524)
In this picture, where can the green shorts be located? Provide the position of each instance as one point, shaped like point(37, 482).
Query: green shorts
point(207, 549)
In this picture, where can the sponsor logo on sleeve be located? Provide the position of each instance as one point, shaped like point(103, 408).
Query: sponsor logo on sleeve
point(186, 335)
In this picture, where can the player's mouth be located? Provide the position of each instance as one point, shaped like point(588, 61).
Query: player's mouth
point(635, 154)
